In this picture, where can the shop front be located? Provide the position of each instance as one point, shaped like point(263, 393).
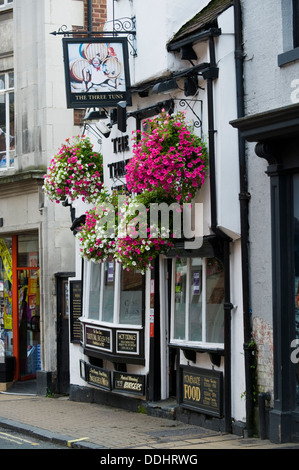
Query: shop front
point(154, 340)
point(112, 333)
point(168, 334)
point(275, 133)
point(20, 307)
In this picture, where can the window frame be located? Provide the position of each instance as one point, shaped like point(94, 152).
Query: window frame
point(295, 6)
point(203, 343)
point(7, 91)
point(7, 3)
point(290, 30)
point(116, 297)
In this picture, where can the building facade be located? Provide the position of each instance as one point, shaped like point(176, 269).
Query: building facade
point(210, 333)
point(176, 332)
point(37, 245)
point(270, 129)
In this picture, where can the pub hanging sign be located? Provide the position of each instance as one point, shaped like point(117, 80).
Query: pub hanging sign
point(96, 72)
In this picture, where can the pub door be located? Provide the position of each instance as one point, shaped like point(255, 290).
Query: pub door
point(63, 340)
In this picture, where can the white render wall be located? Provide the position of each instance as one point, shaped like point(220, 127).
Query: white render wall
point(267, 30)
point(156, 23)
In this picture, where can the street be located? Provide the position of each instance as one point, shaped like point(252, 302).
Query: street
point(10, 440)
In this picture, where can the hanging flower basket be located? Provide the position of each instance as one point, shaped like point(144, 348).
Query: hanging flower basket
point(98, 236)
point(75, 171)
point(140, 241)
point(168, 157)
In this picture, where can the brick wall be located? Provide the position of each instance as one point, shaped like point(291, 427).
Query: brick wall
point(263, 336)
point(99, 15)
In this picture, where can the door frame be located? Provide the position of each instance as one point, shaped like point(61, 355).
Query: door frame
point(61, 280)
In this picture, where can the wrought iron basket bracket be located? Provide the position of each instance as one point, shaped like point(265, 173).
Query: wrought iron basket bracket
point(183, 102)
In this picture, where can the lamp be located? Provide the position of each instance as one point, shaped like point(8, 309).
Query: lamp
point(187, 52)
point(190, 86)
point(94, 115)
point(93, 122)
point(165, 87)
point(122, 116)
point(104, 129)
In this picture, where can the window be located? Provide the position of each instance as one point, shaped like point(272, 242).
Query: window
point(113, 295)
point(197, 301)
point(290, 32)
point(5, 2)
point(7, 116)
point(296, 23)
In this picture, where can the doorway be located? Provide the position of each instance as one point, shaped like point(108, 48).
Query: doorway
point(20, 303)
point(63, 338)
point(26, 301)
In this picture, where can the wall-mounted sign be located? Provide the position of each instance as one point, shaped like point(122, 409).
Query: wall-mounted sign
point(117, 169)
point(202, 390)
point(101, 378)
point(120, 144)
point(129, 383)
point(96, 72)
point(127, 342)
point(98, 338)
point(75, 311)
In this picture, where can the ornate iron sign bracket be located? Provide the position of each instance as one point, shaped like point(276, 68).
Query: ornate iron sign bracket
point(124, 25)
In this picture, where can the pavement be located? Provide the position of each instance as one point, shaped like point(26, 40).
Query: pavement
point(93, 426)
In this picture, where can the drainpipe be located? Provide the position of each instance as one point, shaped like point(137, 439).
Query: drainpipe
point(262, 398)
point(244, 198)
point(89, 16)
point(210, 75)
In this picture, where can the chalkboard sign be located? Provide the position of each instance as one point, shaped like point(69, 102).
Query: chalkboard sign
point(75, 311)
point(201, 389)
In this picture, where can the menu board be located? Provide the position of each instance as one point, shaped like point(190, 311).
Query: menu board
point(202, 390)
point(75, 311)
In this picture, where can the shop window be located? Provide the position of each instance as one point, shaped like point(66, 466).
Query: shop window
point(20, 302)
point(131, 298)
point(197, 301)
point(6, 327)
point(7, 117)
point(112, 295)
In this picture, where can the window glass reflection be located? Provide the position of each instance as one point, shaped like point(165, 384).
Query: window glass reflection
point(180, 298)
point(94, 291)
point(108, 291)
point(215, 299)
point(131, 298)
